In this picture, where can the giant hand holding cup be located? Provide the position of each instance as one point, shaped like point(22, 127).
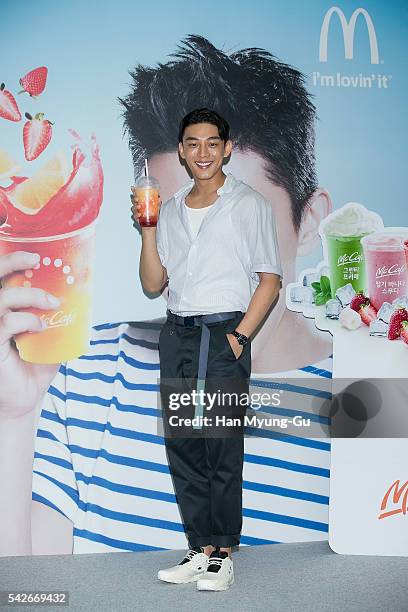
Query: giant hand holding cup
point(61, 233)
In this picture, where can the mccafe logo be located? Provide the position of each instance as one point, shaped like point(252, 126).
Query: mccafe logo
point(391, 271)
point(349, 258)
point(348, 28)
point(395, 500)
point(59, 319)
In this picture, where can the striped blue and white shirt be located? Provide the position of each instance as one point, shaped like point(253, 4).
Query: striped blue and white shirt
point(100, 457)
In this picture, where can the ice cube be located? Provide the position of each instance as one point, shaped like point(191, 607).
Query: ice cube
point(350, 319)
point(345, 294)
point(333, 308)
point(385, 312)
point(296, 293)
point(401, 301)
point(309, 278)
point(308, 295)
point(378, 328)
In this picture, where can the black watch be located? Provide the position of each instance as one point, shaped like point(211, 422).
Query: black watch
point(242, 339)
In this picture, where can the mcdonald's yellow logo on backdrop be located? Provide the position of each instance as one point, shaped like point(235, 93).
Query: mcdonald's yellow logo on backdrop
point(398, 503)
point(348, 28)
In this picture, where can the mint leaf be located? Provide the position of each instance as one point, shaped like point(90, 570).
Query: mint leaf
point(320, 299)
point(316, 286)
point(325, 283)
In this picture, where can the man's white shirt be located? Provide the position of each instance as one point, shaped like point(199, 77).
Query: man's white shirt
point(216, 270)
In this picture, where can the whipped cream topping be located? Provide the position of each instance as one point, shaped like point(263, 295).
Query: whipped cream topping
point(352, 219)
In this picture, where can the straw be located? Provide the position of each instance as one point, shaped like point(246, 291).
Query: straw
point(146, 168)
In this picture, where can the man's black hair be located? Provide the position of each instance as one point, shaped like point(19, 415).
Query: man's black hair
point(205, 115)
point(264, 101)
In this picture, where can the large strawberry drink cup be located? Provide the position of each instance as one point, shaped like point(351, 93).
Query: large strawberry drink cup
point(386, 266)
point(62, 233)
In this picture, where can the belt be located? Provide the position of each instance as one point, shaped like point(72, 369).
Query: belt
point(201, 321)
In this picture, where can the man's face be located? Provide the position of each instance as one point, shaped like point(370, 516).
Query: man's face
point(250, 168)
point(203, 150)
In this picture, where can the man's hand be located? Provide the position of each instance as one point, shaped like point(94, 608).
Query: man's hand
point(136, 214)
point(235, 345)
point(152, 273)
point(22, 384)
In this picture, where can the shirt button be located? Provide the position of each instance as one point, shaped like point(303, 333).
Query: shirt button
point(190, 274)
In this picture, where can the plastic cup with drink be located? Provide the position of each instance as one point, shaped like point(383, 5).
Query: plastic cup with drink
point(386, 260)
point(342, 232)
point(64, 270)
point(62, 232)
point(146, 192)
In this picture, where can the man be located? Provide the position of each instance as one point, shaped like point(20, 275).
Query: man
point(209, 265)
point(100, 480)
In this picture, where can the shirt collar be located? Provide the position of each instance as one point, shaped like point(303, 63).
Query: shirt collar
point(229, 184)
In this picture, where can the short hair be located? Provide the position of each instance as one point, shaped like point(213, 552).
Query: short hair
point(264, 101)
point(205, 115)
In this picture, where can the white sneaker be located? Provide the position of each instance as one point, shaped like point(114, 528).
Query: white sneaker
point(189, 569)
point(219, 574)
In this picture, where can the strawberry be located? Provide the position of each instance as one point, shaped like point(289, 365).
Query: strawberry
point(361, 304)
point(404, 331)
point(37, 134)
point(397, 318)
point(8, 105)
point(358, 300)
point(367, 313)
point(34, 82)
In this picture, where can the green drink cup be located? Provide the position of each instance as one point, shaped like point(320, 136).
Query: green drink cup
point(342, 232)
point(346, 262)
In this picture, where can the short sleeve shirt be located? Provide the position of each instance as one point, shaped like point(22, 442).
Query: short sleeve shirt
point(216, 270)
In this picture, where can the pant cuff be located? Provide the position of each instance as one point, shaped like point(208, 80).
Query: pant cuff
point(194, 541)
point(225, 540)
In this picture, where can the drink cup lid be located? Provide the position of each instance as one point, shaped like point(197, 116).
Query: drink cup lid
point(147, 181)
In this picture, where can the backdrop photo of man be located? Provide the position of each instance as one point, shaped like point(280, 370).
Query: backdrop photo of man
point(100, 480)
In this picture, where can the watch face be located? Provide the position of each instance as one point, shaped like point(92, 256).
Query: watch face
point(241, 338)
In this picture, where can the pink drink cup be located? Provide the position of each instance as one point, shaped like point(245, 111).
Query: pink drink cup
point(386, 265)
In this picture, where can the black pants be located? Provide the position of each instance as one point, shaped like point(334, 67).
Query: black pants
point(206, 469)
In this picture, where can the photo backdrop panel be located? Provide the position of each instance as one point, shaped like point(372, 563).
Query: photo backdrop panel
point(352, 62)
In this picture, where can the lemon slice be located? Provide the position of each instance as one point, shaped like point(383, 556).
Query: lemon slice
point(8, 167)
point(34, 193)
